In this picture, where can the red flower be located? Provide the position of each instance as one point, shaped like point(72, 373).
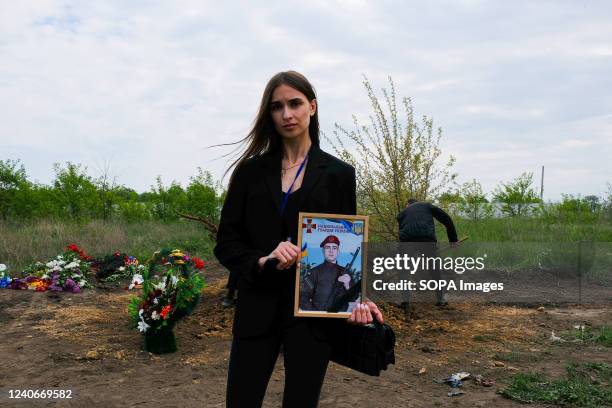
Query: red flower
point(199, 264)
point(164, 312)
point(82, 255)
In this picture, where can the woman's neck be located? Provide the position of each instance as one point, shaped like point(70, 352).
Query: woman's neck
point(295, 150)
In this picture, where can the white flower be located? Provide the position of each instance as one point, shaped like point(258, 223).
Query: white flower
point(173, 279)
point(2, 267)
point(136, 280)
point(71, 265)
point(155, 301)
point(161, 286)
point(141, 266)
point(140, 312)
point(50, 264)
point(45, 276)
point(60, 257)
point(155, 315)
point(142, 326)
point(121, 268)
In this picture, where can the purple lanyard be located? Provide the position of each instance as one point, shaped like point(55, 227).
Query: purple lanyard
point(286, 196)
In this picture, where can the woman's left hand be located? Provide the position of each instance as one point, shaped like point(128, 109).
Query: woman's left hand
point(363, 313)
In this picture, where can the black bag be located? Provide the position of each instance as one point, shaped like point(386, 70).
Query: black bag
point(367, 349)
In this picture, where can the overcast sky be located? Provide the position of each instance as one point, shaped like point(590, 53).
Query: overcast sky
point(144, 87)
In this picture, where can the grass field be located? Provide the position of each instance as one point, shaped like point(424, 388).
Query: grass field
point(22, 244)
point(529, 230)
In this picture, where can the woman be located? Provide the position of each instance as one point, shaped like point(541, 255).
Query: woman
point(282, 172)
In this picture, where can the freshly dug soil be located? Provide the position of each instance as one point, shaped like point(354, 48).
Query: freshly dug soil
point(84, 343)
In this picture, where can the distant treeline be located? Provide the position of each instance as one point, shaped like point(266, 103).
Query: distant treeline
point(518, 198)
point(75, 195)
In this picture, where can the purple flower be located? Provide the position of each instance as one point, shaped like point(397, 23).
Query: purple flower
point(18, 284)
point(69, 284)
point(55, 288)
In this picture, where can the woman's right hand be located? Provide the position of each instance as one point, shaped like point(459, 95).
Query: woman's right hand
point(285, 252)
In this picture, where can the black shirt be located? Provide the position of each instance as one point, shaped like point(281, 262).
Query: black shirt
point(416, 223)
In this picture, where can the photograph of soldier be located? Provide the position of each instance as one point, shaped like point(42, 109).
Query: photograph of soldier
point(327, 282)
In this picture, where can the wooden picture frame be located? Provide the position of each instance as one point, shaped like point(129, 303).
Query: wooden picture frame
point(323, 286)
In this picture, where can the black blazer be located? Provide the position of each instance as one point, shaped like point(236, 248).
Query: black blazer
point(251, 227)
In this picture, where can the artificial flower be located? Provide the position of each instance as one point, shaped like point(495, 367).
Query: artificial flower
point(5, 281)
point(165, 310)
point(142, 326)
point(136, 280)
point(199, 264)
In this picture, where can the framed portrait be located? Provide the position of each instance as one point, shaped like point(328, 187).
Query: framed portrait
point(331, 264)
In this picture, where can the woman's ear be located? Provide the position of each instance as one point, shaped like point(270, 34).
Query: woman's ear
point(313, 107)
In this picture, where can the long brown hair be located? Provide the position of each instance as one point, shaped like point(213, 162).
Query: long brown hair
point(263, 137)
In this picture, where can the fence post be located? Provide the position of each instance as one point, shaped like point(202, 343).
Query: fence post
point(580, 273)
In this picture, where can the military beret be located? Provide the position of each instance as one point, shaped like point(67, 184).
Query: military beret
point(331, 239)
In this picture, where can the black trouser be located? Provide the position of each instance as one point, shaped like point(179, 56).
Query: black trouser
point(232, 281)
point(427, 250)
point(252, 361)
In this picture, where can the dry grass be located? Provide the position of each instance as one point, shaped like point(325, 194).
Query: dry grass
point(22, 244)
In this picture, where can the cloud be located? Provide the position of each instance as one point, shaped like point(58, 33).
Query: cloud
point(148, 86)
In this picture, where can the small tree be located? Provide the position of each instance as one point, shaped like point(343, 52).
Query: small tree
point(107, 191)
point(167, 200)
point(517, 195)
point(593, 202)
point(76, 191)
point(575, 209)
point(12, 179)
point(449, 201)
point(202, 198)
point(393, 161)
point(474, 204)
